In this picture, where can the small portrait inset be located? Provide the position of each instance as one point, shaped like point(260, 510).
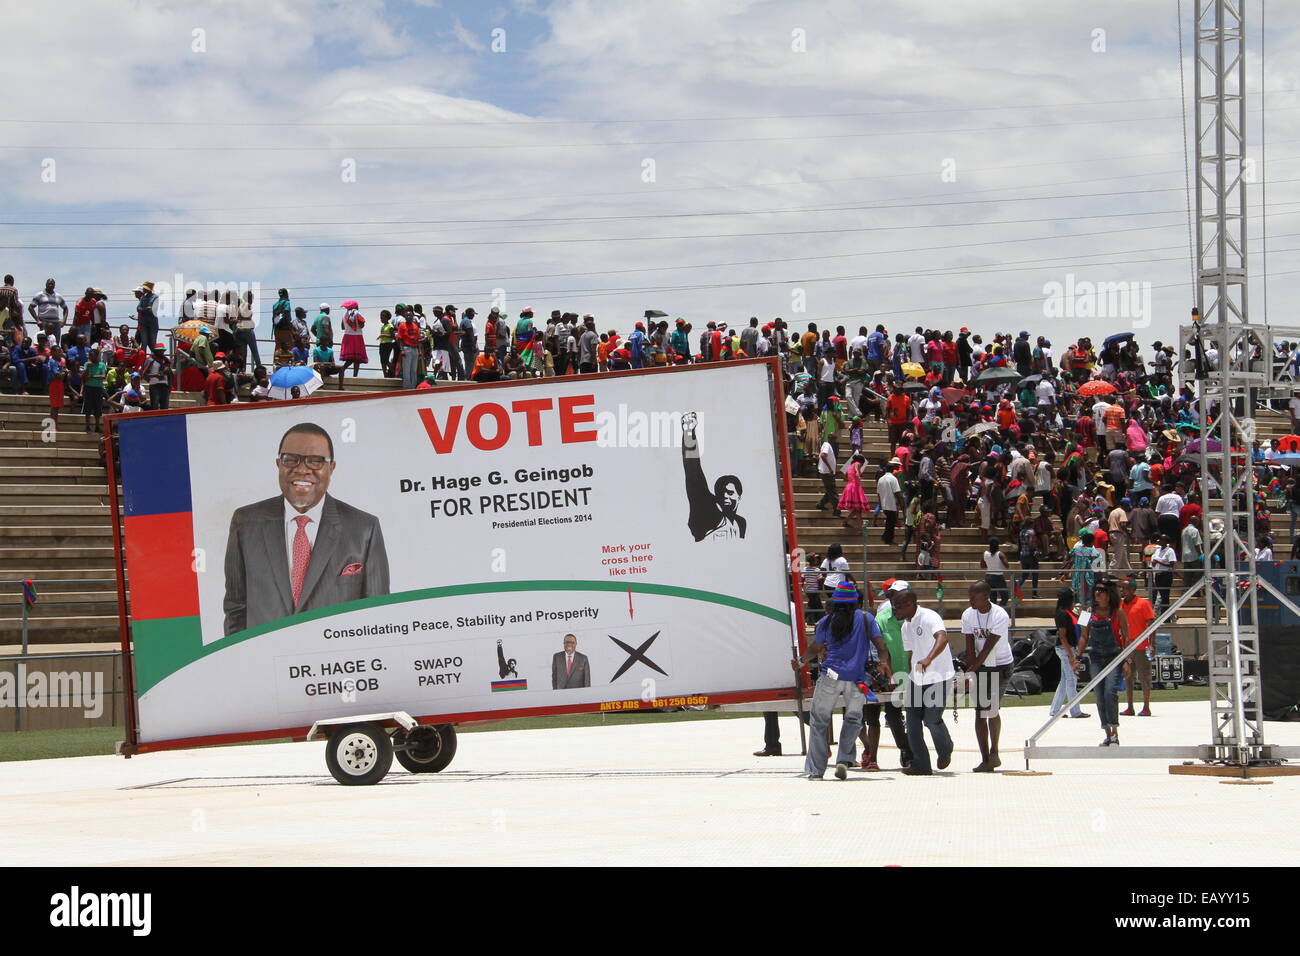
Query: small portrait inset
point(568, 667)
point(713, 512)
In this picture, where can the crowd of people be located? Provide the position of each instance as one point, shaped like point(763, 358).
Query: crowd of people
point(898, 662)
point(1080, 463)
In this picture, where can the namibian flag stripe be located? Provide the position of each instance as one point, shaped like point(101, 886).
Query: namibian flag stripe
point(158, 526)
point(509, 685)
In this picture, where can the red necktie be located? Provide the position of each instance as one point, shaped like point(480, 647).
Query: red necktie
point(570, 665)
point(301, 556)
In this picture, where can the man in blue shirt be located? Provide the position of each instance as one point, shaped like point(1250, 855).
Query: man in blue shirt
point(1139, 476)
point(851, 642)
point(875, 348)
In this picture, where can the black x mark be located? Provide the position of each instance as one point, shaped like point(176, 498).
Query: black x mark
point(634, 655)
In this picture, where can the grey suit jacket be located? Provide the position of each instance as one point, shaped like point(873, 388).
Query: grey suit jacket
point(348, 562)
point(562, 679)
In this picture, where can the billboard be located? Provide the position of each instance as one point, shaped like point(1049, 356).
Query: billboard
point(564, 544)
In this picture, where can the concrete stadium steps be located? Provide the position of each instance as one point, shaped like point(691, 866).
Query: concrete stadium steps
point(67, 474)
point(34, 562)
point(51, 454)
point(55, 495)
point(18, 515)
point(55, 526)
point(72, 629)
point(33, 538)
point(69, 435)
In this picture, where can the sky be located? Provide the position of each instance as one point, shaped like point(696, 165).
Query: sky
point(919, 162)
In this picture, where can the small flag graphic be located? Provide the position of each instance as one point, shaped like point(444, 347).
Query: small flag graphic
point(517, 684)
point(29, 592)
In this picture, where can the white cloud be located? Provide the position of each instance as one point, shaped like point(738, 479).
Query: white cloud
point(332, 64)
point(466, 37)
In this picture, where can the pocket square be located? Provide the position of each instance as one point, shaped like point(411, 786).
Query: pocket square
point(351, 569)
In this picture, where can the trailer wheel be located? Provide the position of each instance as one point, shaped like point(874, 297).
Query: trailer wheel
point(359, 754)
point(426, 749)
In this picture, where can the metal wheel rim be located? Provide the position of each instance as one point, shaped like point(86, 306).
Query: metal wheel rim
point(433, 749)
point(357, 754)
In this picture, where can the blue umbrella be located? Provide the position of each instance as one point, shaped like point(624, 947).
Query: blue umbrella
point(1117, 337)
point(305, 379)
point(1291, 460)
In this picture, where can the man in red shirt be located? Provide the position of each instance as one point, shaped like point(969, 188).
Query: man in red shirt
point(897, 409)
point(1190, 512)
point(214, 386)
point(1140, 615)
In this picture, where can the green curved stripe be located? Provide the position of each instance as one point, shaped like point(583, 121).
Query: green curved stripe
point(162, 647)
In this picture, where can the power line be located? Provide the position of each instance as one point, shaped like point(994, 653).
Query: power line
point(883, 204)
point(530, 122)
point(456, 147)
point(246, 243)
point(724, 186)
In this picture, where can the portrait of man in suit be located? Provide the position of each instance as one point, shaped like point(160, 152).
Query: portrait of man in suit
point(303, 548)
point(569, 668)
point(713, 511)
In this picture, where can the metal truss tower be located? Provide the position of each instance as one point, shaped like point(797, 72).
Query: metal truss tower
point(1231, 361)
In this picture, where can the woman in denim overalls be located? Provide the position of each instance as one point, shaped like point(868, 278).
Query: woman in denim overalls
point(1104, 636)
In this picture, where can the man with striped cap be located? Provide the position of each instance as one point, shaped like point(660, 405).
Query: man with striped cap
point(850, 639)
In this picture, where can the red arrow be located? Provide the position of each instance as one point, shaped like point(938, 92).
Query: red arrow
point(629, 602)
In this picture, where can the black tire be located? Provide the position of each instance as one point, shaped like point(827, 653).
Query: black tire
point(426, 749)
point(359, 755)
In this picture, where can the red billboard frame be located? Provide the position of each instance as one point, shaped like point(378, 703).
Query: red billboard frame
point(133, 745)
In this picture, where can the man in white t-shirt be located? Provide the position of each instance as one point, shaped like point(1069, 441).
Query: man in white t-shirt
point(826, 472)
point(1099, 415)
point(987, 628)
point(1168, 507)
point(859, 341)
point(916, 346)
point(890, 494)
point(930, 669)
point(1046, 393)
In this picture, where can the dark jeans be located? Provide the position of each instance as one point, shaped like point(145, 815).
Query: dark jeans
point(1163, 581)
point(925, 705)
point(829, 496)
point(457, 371)
point(894, 721)
point(1029, 563)
point(386, 350)
point(160, 396)
point(772, 730)
point(248, 339)
point(998, 592)
point(1170, 526)
point(891, 519)
point(148, 331)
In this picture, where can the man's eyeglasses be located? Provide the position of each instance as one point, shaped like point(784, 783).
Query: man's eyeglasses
point(290, 462)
